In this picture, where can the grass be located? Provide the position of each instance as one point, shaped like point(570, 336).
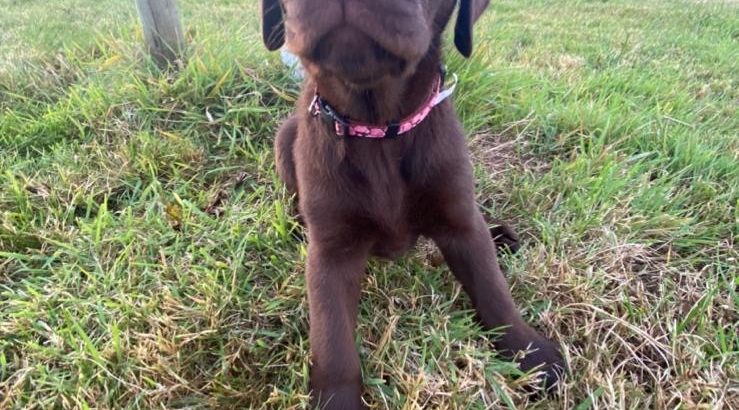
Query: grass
point(148, 258)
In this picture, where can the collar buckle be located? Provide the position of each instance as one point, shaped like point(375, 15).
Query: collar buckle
point(333, 118)
point(314, 109)
point(393, 128)
point(320, 107)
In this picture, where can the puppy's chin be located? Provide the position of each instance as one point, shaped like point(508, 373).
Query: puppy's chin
point(360, 80)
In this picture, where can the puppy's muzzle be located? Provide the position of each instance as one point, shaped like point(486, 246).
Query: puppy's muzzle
point(356, 58)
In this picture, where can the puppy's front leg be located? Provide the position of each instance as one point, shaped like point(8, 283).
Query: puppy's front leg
point(470, 253)
point(334, 275)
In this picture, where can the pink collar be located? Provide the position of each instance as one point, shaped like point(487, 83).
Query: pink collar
point(347, 127)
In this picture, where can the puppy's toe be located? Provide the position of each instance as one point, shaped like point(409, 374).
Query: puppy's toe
point(506, 239)
point(547, 359)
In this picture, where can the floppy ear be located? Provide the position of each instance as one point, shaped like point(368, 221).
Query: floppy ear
point(273, 26)
point(469, 12)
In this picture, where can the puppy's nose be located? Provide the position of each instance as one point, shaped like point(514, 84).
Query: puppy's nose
point(348, 52)
point(345, 39)
point(338, 44)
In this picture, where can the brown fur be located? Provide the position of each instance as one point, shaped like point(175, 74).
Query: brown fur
point(374, 61)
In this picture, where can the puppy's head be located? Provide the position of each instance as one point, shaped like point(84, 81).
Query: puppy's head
point(362, 41)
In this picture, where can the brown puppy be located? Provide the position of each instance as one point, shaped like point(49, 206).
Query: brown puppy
point(375, 62)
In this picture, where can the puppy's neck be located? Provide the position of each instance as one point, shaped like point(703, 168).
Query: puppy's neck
point(390, 99)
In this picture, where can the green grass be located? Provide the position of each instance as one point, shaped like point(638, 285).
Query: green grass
point(148, 257)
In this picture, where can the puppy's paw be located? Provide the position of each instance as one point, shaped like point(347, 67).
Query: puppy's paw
point(544, 356)
point(505, 238)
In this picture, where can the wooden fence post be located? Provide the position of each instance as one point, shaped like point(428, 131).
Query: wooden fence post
point(163, 33)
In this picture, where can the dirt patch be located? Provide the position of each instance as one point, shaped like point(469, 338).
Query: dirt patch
point(506, 151)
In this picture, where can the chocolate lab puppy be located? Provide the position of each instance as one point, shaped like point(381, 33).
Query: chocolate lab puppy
point(377, 157)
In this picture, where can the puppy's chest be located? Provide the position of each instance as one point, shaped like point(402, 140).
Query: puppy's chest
point(384, 200)
point(383, 180)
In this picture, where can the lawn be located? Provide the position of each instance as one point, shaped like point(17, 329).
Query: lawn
point(148, 258)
